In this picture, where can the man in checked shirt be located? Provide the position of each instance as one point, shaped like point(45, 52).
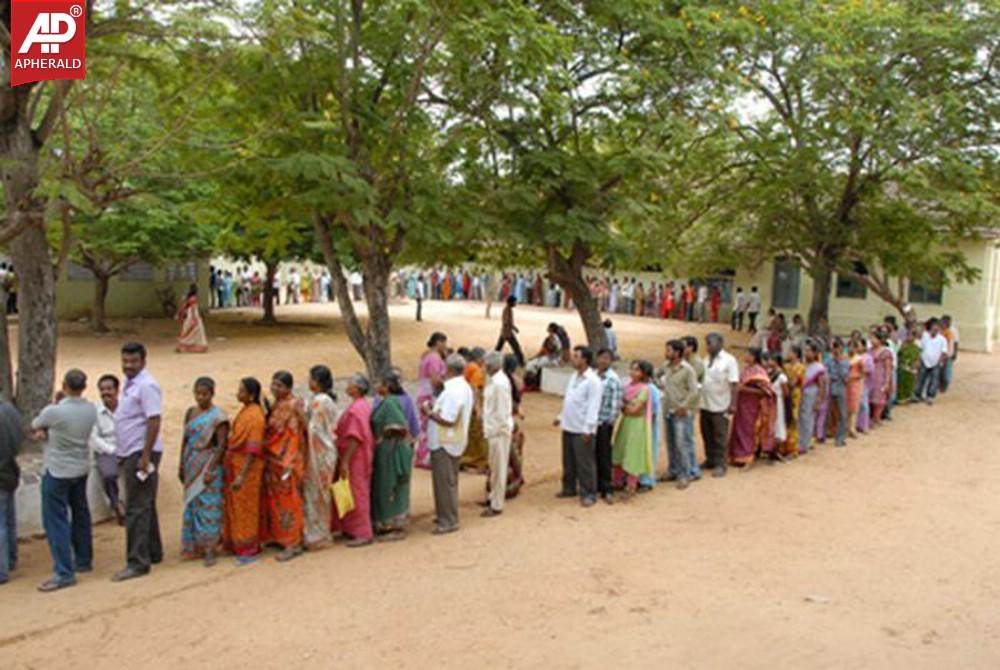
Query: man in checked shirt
point(611, 407)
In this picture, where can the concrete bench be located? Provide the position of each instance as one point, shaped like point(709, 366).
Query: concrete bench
point(555, 380)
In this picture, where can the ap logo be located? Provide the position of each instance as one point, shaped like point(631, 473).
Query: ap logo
point(50, 30)
point(48, 40)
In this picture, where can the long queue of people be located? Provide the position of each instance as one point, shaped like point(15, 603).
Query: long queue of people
point(296, 473)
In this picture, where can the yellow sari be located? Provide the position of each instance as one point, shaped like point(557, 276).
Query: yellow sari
point(795, 373)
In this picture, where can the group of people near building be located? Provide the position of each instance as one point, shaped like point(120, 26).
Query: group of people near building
point(776, 407)
point(245, 287)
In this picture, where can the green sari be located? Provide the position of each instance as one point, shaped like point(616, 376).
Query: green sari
point(908, 361)
point(392, 468)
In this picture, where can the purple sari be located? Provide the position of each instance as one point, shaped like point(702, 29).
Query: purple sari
point(864, 412)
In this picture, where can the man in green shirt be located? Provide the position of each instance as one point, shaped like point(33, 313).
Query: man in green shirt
point(681, 392)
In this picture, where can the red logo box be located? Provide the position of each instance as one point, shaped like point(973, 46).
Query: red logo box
point(48, 40)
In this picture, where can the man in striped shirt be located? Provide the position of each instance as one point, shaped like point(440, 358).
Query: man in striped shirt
point(611, 406)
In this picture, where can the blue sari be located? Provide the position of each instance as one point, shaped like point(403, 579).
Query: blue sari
point(202, 521)
point(655, 397)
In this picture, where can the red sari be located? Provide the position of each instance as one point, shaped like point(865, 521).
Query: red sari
point(715, 304)
point(281, 502)
point(355, 424)
point(753, 424)
point(192, 338)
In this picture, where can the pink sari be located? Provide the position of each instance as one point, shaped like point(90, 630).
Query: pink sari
point(754, 420)
point(431, 365)
point(355, 424)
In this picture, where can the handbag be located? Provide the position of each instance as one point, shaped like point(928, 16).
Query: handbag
point(342, 496)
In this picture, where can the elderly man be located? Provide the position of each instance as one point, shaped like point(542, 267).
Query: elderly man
point(10, 476)
point(718, 403)
point(579, 417)
point(448, 436)
point(66, 427)
point(498, 426)
point(137, 428)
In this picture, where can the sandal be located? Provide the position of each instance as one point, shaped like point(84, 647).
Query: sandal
point(289, 553)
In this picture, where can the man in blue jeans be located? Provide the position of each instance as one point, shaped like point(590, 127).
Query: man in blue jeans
point(681, 393)
point(10, 476)
point(65, 427)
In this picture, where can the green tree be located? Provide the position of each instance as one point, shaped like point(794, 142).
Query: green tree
point(867, 134)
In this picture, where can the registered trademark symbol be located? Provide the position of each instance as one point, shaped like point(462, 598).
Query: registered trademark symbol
point(76, 11)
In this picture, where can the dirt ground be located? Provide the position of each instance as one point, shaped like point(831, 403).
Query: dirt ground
point(884, 554)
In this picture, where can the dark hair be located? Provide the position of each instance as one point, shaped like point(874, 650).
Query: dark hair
point(607, 324)
point(586, 353)
point(758, 354)
point(393, 381)
point(676, 345)
point(465, 353)
point(510, 364)
point(75, 380)
point(108, 378)
point(477, 353)
point(797, 350)
point(604, 350)
point(435, 338)
point(285, 377)
point(512, 300)
point(324, 379)
point(778, 359)
point(814, 345)
point(132, 348)
point(205, 383)
point(645, 367)
point(252, 387)
point(691, 341)
point(192, 290)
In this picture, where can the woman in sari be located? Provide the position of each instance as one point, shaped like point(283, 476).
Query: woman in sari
point(515, 465)
point(202, 446)
point(814, 387)
point(192, 338)
point(476, 456)
point(823, 402)
point(393, 463)
point(632, 453)
point(796, 372)
point(782, 402)
point(321, 460)
point(714, 304)
point(244, 470)
point(909, 364)
point(881, 376)
point(864, 412)
point(753, 422)
point(430, 381)
point(356, 447)
point(284, 443)
point(855, 385)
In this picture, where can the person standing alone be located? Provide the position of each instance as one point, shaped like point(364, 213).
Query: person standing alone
point(753, 307)
point(508, 331)
point(137, 425)
point(65, 427)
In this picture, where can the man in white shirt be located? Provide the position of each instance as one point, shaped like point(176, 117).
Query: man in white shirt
point(357, 281)
point(718, 402)
point(739, 308)
point(104, 443)
point(581, 407)
point(294, 287)
point(448, 436)
point(933, 353)
point(753, 307)
point(498, 427)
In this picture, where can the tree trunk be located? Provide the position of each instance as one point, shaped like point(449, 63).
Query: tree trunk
point(97, 317)
point(268, 294)
point(568, 273)
point(6, 369)
point(376, 271)
point(822, 277)
point(37, 328)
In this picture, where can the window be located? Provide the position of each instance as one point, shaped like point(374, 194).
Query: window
point(77, 272)
point(849, 287)
point(183, 272)
point(929, 291)
point(138, 272)
point(787, 274)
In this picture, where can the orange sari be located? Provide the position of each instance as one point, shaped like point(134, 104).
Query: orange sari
point(281, 504)
point(241, 509)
